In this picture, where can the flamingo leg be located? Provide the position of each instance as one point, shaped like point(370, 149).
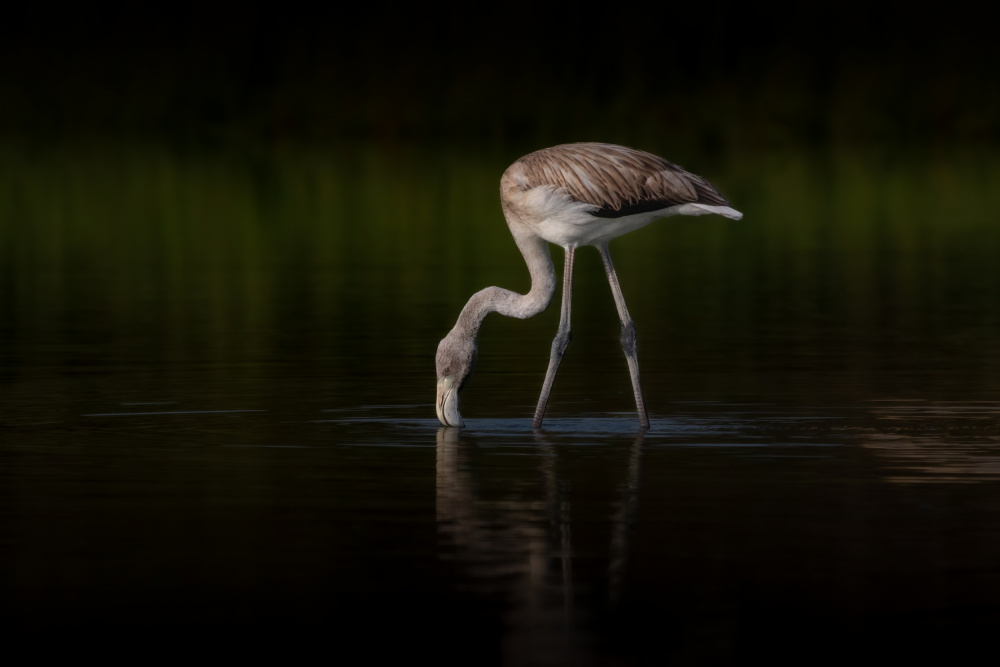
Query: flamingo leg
point(628, 338)
point(560, 342)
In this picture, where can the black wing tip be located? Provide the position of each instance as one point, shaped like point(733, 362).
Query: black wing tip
point(646, 206)
point(709, 198)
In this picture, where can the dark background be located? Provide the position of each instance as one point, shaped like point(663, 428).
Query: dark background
point(715, 75)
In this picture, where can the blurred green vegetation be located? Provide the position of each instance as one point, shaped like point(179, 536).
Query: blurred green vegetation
point(863, 258)
point(257, 186)
point(112, 207)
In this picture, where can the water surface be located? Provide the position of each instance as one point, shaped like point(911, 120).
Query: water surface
point(217, 422)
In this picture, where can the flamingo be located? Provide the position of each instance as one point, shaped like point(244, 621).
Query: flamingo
point(571, 195)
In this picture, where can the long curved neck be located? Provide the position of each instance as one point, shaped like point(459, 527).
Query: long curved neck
point(522, 306)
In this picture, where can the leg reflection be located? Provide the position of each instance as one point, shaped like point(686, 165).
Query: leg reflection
point(560, 523)
point(623, 520)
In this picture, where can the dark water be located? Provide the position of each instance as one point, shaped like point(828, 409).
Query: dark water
point(217, 422)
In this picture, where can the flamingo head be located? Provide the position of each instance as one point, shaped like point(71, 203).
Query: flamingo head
point(456, 357)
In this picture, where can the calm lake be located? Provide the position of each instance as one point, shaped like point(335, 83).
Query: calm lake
point(217, 422)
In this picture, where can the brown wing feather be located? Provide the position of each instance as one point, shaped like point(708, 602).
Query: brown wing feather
point(618, 180)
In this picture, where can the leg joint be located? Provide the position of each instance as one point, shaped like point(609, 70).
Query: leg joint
point(561, 341)
point(628, 337)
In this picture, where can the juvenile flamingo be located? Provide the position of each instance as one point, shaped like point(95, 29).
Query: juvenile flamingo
point(572, 195)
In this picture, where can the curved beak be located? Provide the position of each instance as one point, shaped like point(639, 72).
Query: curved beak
point(447, 403)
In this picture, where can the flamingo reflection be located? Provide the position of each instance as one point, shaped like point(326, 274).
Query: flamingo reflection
point(522, 548)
